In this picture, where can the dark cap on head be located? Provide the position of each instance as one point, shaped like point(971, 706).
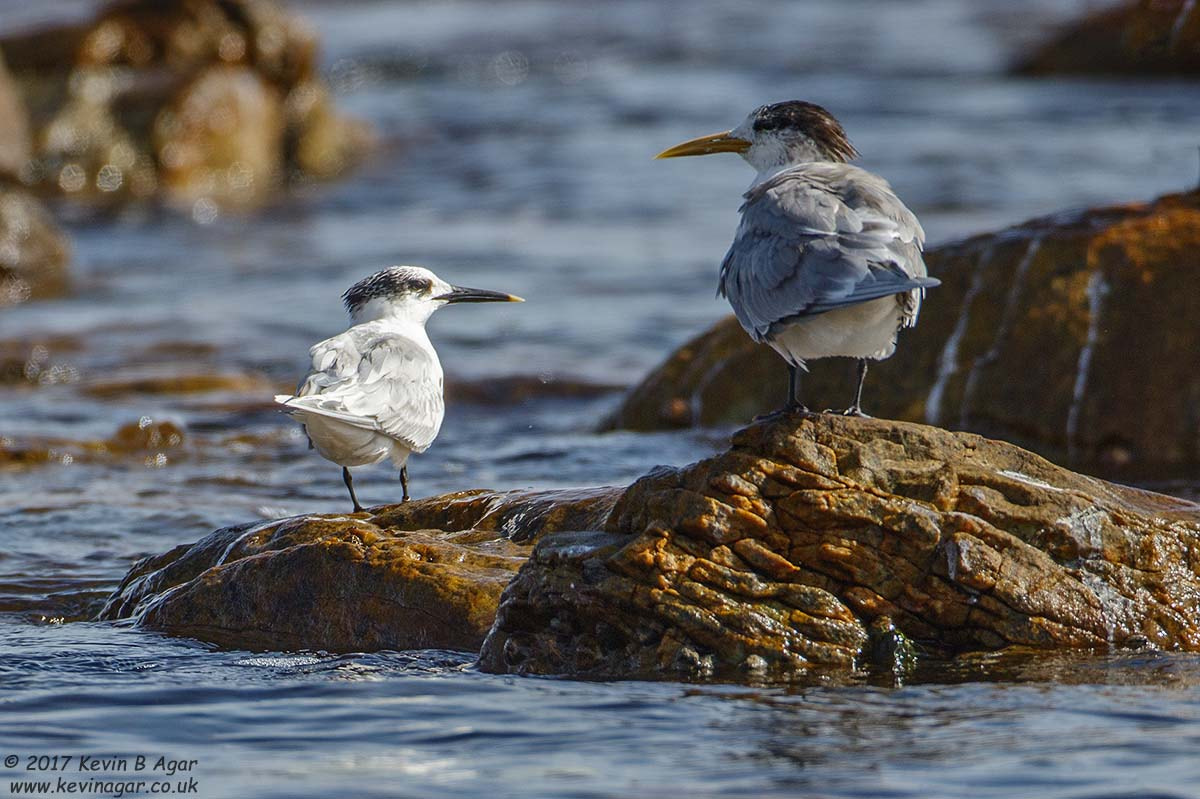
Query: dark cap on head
point(806, 119)
point(392, 282)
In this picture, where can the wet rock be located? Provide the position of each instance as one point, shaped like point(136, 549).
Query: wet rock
point(33, 251)
point(425, 574)
point(1145, 37)
point(155, 442)
point(209, 100)
point(816, 543)
point(1073, 335)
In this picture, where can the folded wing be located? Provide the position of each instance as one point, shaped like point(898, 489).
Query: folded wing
point(822, 236)
point(378, 381)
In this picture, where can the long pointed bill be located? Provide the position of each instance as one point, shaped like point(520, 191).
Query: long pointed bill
point(723, 142)
point(461, 294)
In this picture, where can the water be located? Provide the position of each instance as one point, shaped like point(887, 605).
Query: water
point(515, 146)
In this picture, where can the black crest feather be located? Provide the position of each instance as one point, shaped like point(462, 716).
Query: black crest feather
point(391, 282)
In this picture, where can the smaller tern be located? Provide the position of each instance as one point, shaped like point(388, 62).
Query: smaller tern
point(376, 390)
point(827, 260)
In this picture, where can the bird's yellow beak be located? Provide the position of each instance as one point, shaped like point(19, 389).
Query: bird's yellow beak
point(723, 142)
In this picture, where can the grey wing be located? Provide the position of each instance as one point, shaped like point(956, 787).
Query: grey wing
point(820, 237)
point(386, 383)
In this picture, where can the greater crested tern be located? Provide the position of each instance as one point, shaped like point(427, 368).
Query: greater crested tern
point(826, 261)
point(376, 389)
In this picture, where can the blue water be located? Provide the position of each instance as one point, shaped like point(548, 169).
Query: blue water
point(515, 153)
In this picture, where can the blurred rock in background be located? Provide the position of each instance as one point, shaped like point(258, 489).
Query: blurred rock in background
point(1147, 37)
point(33, 252)
point(208, 104)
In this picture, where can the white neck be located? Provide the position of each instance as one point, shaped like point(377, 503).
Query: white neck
point(769, 155)
point(414, 312)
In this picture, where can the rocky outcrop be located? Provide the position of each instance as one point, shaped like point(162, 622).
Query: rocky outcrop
point(425, 574)
point(1144, 37)
point(818, 542)
point(1074, 335)
point(813, 546)
point(209, 103)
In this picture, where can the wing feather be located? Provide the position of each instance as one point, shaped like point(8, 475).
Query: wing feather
point(822, 236)
point(377, 380)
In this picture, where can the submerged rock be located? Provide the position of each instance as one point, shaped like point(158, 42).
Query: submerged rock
point(818, 543)
point(1139, 37)
point(155, 442)
point(425, 574)
point(1074, 335)
point(210, 103)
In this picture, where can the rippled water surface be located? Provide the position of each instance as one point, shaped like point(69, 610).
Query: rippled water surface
point(515, 141)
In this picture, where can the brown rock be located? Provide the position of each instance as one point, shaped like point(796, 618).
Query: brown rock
point(33, 251)
point(1145, 37)
point(202, 99)
point(222, 138)
point(171, 381)
point(1074, 335)
point(425, 574)
point(15, 144)
point(156, 443)
point(783, 555)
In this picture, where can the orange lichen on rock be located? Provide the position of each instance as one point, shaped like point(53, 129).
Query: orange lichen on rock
point(949, 539)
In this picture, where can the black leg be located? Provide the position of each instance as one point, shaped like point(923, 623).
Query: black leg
point(349, 481)
point(794, 402)
point(856, 408)
point(404, 482)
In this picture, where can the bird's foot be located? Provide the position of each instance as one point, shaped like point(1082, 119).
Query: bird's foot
point(787, 410)
point(853, 410)
point(358, 508)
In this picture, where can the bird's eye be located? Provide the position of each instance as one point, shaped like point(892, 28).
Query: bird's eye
point(766, 124)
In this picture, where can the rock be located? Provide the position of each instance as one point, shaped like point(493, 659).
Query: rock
point(1074, 335)
point(172, 381)
point(818, 543)
point(216, 101)
point(33, 251)
point(425, 574)
point(156, 443)
point(15, 143)
point(222, 138)
point(1146, 37)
